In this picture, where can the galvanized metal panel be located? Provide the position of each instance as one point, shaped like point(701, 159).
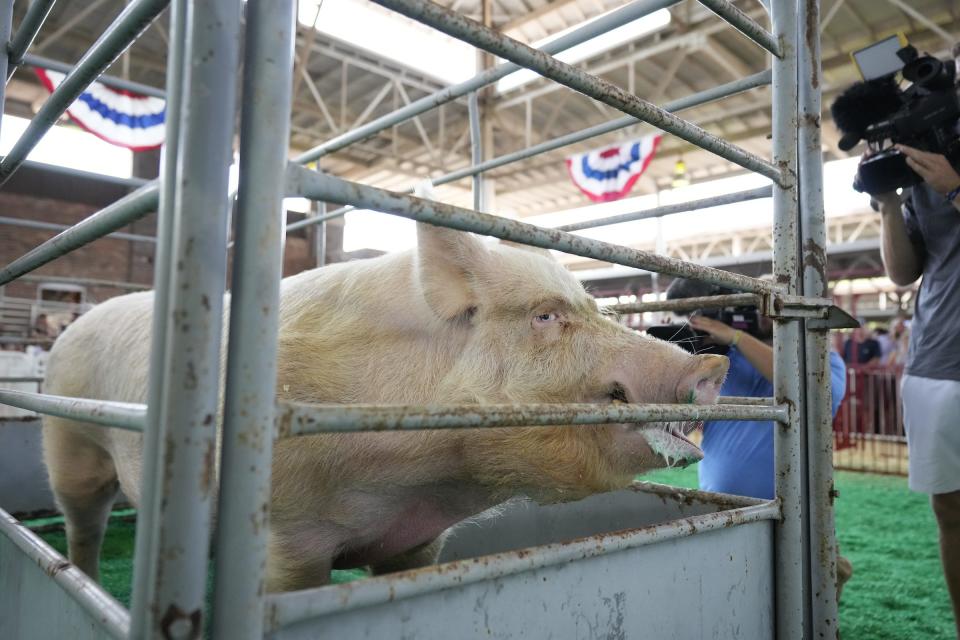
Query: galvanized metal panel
point(35, 602)
point(717, 584)
point(23, 482)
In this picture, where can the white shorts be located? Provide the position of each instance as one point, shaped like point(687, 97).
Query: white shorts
point(931, 415)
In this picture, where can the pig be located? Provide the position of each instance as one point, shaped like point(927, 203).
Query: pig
point(456, 320)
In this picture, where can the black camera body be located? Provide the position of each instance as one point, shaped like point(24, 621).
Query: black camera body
point(923, 116)
point(743, 318)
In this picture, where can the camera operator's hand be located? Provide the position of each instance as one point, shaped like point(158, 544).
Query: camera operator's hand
point(934, 168)
point(887, 201)
point(719, 332)
point(757, 353)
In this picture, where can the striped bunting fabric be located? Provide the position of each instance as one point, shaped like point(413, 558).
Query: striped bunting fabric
point(609, 174)
point(120, 117)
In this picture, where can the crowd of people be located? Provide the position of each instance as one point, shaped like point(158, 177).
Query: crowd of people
point(878, 346)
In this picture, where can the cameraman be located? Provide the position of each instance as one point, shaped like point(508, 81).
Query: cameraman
point(921, 237)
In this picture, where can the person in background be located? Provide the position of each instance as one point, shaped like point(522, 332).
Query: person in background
point(920, 236)
point(860, 348)
point(885, 340)
point(738, 454)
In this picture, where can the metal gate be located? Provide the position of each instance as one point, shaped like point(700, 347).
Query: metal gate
point(789, 591)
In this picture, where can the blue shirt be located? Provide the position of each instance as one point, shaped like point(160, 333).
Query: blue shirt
point(738, 454)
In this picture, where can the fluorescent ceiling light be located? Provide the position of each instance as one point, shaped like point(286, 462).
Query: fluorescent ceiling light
point(613, 38)
point(393, 37)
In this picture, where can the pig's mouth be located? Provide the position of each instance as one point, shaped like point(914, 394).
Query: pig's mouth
point(669, 440)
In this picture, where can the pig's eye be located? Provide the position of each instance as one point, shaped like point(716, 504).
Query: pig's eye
point(544, 319)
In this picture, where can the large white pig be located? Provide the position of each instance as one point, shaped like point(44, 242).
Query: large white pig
point(455, 321)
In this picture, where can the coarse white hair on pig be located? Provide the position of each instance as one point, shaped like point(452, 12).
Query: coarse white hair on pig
point(455, 320)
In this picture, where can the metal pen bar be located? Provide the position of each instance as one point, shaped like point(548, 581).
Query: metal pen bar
point(37, 224)
point(689, 304)
point(746, 400)
point(26, 32)
point(716, 93)
point(251, 372)
point(789, 536)
point(319, 186)
point(131, 22)
point(190, 398)
point(87, 282)
point(6, 24)
point(12, 379)
point(122, 415)
point(670, 209)
point(148, 514)
point(112, 617)
point(488, 39)
point(297, 419)
point(619, 17)
point(122, 212)
point(289, 608)
point(476, 149)
point(110, 81)
point(729, 89)
point(745, 24)
point(821, 533)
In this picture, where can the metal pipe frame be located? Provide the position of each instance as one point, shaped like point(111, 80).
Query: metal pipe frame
point(110, 81)
point(746, 25)
point(289, 608)
point(121, 213)
point(819, 417)
point(6, 24)
point(791, 593)
point(131, 22)
point(619, 17)
point(251, 370)
point(26, 32)
point(319, 186)
point(122, 415)
point(476, 149)
point(715, 93)
point(670, 209)
point(37, 224)
point(189, 398)
point(492, 41)
point(690, 304)
point(145, 550)
point(91, 596)
point(298, 419)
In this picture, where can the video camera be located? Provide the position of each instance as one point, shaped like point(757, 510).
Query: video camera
point(923, 116)
point(746, 319)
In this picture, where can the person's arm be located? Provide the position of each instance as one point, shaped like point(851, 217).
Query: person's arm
point(757, 353)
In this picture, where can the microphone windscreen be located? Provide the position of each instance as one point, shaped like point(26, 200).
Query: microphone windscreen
point(865, 103)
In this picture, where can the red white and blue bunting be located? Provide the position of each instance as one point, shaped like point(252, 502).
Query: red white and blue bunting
point(120, 117)
point(609, 174)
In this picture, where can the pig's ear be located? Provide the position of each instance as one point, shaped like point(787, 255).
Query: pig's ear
point(516, 245)
point(447, 261)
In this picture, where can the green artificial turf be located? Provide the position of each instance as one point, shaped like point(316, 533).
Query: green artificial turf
point(897, 590)
point(888, 533)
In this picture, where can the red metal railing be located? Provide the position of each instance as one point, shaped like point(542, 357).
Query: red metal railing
point(868, 429)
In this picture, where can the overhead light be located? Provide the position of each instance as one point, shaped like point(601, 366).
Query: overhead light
point(609, 40)
point(680, 177)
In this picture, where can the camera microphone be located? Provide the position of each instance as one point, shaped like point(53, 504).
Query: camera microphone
point(864, 104)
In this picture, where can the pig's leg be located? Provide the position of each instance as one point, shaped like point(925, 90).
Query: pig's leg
point(84, 483)
point(422, 556)
point(293, 563)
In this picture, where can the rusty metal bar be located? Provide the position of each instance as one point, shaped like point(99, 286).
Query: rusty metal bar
point(251, 369)
point(122, 415)
point(289, 608)
point(689, 304)
point(791, 580)
point(488, 39)
point(296, 419)
point(53, 226)
point(319, 186)
point(746, 25)
point(113, 617)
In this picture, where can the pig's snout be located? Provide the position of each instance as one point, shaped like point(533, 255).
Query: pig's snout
point(701, 383)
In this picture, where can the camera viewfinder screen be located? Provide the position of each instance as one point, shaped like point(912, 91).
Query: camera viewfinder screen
point(880, 58)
